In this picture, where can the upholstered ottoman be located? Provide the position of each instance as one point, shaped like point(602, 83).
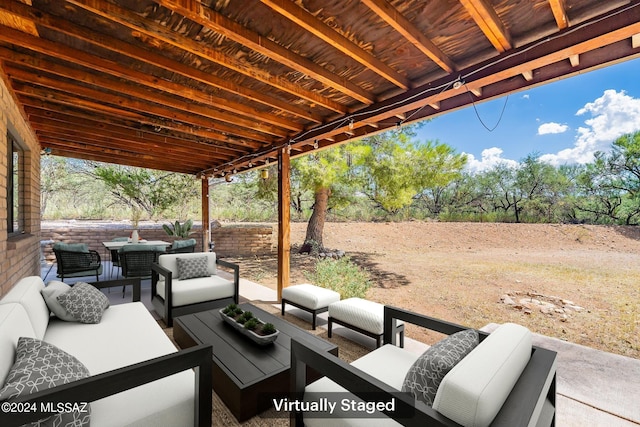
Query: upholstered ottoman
point(311, 298)
point(366, 317)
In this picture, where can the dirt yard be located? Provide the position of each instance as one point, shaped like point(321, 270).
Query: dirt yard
point(579, 283)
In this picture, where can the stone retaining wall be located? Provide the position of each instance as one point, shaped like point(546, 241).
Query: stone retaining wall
point(230, 240)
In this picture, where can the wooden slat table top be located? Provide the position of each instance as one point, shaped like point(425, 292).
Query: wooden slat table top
point(245, 361)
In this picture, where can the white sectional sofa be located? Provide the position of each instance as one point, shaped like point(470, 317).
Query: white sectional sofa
point(137, 377)
point(502, 381)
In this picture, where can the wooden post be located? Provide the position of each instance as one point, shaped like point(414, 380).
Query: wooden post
point(284, 221)
point(206, 232)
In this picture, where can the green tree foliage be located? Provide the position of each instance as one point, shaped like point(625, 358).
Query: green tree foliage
point(152, 192)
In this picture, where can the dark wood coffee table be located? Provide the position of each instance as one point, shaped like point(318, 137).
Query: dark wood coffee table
point(245, 375)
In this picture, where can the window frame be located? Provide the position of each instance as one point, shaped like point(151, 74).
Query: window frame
point(15, 166)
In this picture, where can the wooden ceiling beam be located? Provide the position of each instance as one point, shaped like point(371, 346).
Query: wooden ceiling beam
point(155, 31)
point(84, 76)
point(559, 13)
point(408, 30)
point(489, 22)
point(126, 103)
point(210, 19)
point(124, 131)
point(116, 45)
point(212, 139)
point(128, 139)
point(310, 23)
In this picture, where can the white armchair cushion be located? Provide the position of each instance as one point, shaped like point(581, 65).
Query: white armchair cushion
point(170, 261)
point(473, 392)
point(197, 290)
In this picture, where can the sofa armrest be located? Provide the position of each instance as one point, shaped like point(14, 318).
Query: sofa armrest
point(304, 354)
point(134, 282)
point(156, 271)
point(236, 277)
point(119, 380)
point(391, 314)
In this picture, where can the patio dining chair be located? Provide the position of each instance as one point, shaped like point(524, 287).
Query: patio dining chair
point(115, 259)
point(76, 260)
point(182, 246)
point(136, 260)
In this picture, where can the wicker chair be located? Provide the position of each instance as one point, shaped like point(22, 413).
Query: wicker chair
point(136, 260)
point(76, 260)
point(182, 246)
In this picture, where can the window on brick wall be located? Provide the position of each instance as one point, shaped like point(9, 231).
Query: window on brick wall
point(15, 187)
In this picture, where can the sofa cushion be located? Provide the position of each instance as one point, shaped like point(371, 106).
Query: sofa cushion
point(189, 268)
point(40, 366)
point(27, 293)
point(50, 293)
point(14, 323)
point(197, 290)
point(170, 261)
point(425, 375)
point(84, 302)
point(128, 334)
point(473, 392)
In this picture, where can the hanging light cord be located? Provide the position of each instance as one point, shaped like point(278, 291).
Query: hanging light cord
point(475, 109)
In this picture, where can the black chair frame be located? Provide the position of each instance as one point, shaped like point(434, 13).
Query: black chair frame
point(535, 388)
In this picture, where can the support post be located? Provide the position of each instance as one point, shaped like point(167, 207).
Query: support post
point(284, 220)
point(206, 222)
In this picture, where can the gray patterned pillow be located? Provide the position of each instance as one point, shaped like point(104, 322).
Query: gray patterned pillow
point(84, 302)
point(190, 268)
point(51, 292)
point(40, 366)
point(426, 373)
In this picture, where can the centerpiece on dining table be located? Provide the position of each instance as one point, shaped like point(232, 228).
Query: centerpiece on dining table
point(246, 323)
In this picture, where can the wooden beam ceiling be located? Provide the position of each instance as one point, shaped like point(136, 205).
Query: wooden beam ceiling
point(208, 87)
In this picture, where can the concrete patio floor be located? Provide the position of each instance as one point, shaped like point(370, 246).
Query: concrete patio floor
point(594, 388)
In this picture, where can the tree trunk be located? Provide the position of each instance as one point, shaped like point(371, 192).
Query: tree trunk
point(315, 228)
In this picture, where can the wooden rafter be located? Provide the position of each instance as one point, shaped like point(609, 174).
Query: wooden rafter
point(110, 43)
point(409, 31)
point(310, 23)
point(158, 32)
point(489, 22)
point(559, 13)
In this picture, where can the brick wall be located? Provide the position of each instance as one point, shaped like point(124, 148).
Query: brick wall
point(19, 255)
point(230, 240)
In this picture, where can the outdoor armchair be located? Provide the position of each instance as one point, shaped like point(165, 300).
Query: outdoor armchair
point(136, 259)
point(76, 260)
point(189, 283)
point(503, 381)
point(182, 246)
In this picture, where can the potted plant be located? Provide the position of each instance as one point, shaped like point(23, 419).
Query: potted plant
point(179, 230)
point(247, 324)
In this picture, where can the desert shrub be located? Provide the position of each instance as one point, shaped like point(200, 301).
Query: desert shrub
point(342, 276)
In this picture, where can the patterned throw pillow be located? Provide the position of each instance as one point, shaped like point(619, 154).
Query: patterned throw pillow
point(40, 366)
point(84, 302)
point(426, 373)
point(190, 268)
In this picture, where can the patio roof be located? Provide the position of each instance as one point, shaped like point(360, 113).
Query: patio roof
point(206, 87)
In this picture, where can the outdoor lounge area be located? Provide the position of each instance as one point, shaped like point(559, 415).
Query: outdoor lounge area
point(571, 374)
point(216, 89)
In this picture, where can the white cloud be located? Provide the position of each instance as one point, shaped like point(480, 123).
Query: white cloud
point(490, 157)
point(525, 96)
point(612, 115)
point(552, 127)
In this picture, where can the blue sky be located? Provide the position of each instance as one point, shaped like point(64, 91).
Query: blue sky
point(565, 121)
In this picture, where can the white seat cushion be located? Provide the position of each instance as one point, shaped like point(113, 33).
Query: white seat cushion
point(14, 323)
point(128, 334)
point(473, 392)
point(361, 313)
point(197, 290)
point(396, 362)
point(310, 296)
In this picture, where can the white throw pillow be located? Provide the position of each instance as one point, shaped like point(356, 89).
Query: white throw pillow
point(50, 293)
